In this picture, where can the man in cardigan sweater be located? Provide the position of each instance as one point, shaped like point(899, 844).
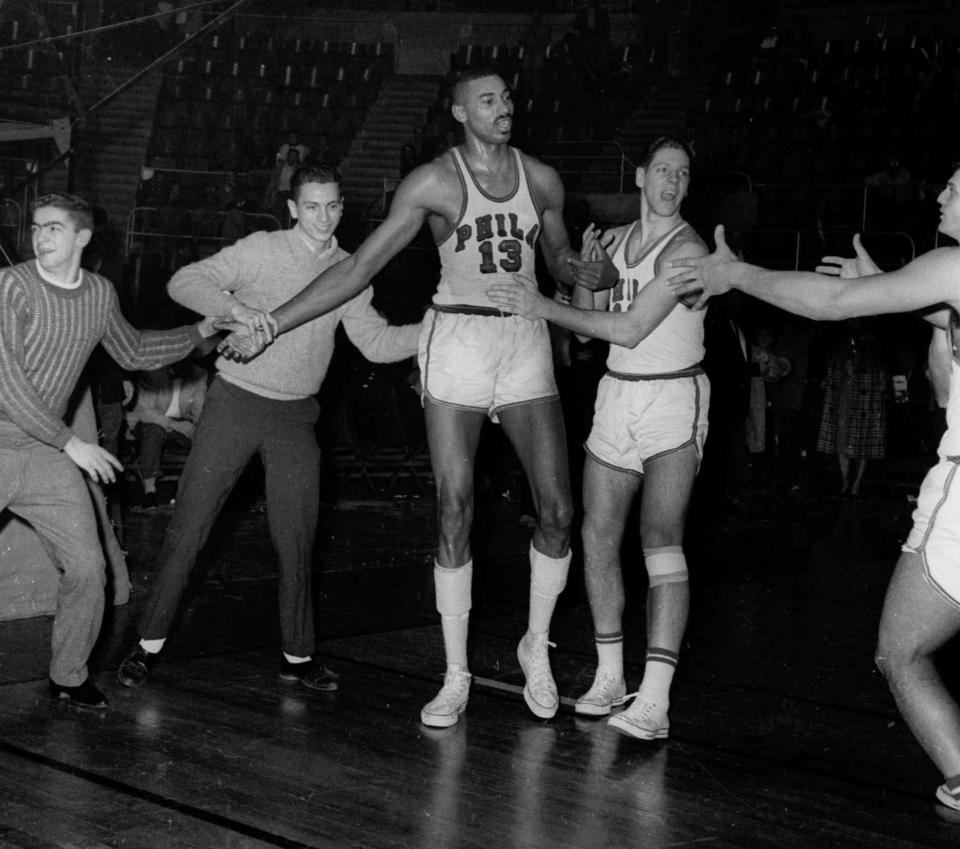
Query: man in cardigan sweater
point(52, 316)
point(265, 406)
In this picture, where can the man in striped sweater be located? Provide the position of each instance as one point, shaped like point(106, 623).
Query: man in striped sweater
point(52, 316)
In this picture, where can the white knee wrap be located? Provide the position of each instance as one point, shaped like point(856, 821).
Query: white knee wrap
point(666, 565)
point(548, 575)
point(453, 589)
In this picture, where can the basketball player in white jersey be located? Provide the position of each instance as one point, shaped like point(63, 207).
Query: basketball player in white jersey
point(921, 612)
point(487, 206)
point(649, 425)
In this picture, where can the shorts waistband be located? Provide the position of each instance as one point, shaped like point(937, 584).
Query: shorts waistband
point(468, 309)
point(693, 371)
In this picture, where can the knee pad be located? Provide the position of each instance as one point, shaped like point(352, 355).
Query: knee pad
point(453, 589)
point(666, 565)
point(548, 575)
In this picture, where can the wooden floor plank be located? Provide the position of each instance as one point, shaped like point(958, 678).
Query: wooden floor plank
point(783, 735)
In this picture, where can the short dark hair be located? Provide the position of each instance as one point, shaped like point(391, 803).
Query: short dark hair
point(78, 210)
point(312, 174)
point(662, 143)
point(468, 75)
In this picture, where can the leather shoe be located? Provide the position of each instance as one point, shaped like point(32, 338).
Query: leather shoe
point(84, 696)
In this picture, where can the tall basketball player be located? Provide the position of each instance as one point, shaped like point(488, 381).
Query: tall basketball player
point(487, 205)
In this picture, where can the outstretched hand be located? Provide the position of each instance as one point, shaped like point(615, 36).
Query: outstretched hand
point(849, 268)
point(522, 297)
point(704, 277)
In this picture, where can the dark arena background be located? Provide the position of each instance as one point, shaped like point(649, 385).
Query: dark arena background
point(810, 121)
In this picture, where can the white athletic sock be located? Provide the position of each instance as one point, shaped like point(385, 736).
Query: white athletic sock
point(453, 588)
point(548, 577)
point(658, 675)
point(149, 485)
point(152, 646)
point(610, 652)
point(292, 658)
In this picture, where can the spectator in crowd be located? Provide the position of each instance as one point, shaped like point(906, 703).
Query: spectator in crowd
point(292, 143)
point(278, 192)
point(167, 406)
point(854, 422)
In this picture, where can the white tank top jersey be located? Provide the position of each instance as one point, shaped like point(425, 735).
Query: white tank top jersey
point(677, 343)
point(950, 441)
point(492, 239)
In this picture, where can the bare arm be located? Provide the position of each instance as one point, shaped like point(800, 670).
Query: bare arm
point(648, 309)
point(939, 356)
point(597, 247)
point(564, 264)
point(926, 281)
point(341, 282)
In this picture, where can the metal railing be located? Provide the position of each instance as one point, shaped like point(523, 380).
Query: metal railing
point(138, 234)
point(12, 223)
point(771, 247)
point(739, 180)
point(585, 159)
point(860, 204)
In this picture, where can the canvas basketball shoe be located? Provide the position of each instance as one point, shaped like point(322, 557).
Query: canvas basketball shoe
point(644, 720)
point(607, 691)
point(450, 702)
point(540, 690)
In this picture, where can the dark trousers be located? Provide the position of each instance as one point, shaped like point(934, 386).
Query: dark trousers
point(235, 425)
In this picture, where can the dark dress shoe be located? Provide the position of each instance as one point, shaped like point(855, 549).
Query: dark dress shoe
point(84, 696)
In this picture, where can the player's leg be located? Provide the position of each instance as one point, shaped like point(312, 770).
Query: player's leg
point(227, 437)
point(607, 497)
point(452, 435)
point(668, 483)
point(537, 433)
point(916, 621)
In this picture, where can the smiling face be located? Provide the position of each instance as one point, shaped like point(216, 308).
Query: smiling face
point(949, 200)
point(317, 209)
point(485, 108)
point(665, 180)
point(57, 242)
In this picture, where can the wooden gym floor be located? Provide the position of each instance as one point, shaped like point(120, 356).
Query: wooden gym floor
point(783, 734)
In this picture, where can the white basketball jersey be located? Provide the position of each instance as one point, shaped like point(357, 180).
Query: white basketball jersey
point(677, 342)
point(493, 239)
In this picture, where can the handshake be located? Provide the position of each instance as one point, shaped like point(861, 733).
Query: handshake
point(249, 332)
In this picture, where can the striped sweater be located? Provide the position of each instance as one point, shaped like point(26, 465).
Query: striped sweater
point(46, 337)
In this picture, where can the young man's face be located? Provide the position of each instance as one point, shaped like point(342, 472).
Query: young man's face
point(485, 108)
point(665, 180)
point(317, 209)
point(56, 240)
point(949, 200)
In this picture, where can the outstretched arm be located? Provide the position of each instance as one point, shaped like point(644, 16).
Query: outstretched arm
point(652, 304)
point(926, 281)
point(345, 279)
